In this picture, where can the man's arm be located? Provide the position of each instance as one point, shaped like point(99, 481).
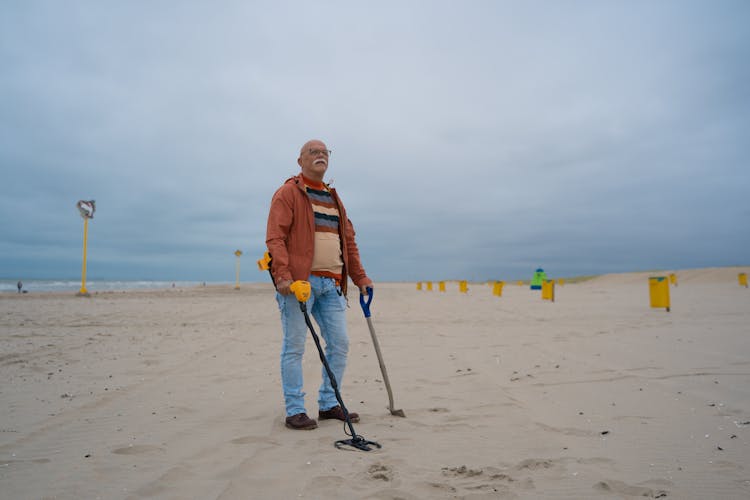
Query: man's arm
point(280, 218)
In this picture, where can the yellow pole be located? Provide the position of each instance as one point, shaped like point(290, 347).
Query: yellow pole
point(83, 290)
point(237, 282)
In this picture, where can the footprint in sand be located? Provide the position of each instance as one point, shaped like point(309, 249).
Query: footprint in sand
point(254, 440)
point(620, 488)
point(489, 479)
point(535, 464)
point(461, 471)
point(380, 472)
point(136, 449)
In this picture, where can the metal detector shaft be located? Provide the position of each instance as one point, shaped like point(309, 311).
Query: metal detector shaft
point(327, 367)
point(376, 344)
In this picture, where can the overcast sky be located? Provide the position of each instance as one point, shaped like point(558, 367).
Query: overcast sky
point(471, 140)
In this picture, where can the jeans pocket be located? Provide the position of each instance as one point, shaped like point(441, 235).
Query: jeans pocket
point(342, 299)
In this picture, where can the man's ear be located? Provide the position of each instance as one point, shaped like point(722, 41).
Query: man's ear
point(299, 161)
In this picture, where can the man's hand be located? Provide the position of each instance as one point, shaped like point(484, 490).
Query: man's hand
point(283, 287)
point(363, 288)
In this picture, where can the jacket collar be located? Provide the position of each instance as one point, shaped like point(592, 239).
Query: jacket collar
point(300, 182)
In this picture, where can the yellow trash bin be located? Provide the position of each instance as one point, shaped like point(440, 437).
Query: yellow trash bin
point(548, 290)
point(429, 286)
point(673, 279)
point(658, 287)
point(742, 278)
point(497, 288)
point(419, 285)
point(463, 286)
point(441, 286)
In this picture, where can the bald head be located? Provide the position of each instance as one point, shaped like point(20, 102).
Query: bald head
point(312, 144)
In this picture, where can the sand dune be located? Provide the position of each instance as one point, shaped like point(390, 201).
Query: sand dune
point(714, 275)
point(175, 394)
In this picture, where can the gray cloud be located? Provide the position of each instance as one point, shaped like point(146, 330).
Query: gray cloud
point(477, 141)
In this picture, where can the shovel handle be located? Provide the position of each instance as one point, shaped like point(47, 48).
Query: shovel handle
point(366, 305)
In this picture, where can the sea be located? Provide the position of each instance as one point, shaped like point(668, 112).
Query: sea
point(31, 286)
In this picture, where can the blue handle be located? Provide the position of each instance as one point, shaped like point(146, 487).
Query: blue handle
point(366, 305)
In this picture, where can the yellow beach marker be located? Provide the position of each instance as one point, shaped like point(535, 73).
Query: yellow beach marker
point(238, 253)
point(742, 279)
point(658, 288)
point(86, 209)
point(548, 290)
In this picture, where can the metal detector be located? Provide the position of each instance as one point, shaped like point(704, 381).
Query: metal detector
point(301, 290)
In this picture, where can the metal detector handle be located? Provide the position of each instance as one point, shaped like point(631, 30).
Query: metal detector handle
point(366, 305)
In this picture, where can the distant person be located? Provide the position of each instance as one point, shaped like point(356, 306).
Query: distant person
point(310, 238)
point(19, 285)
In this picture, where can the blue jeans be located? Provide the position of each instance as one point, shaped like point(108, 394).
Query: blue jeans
point(328, 306)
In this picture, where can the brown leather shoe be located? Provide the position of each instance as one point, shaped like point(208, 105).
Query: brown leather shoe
point(301, 422)
point(338, 413)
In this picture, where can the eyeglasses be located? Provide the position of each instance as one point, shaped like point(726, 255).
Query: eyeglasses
point(316, 152)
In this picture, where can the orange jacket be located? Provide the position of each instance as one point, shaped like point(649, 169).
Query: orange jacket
point(290, 236)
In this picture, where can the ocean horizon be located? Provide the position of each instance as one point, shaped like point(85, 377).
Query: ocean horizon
point(62, 285)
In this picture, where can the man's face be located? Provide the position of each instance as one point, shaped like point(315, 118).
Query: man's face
point(314, 160)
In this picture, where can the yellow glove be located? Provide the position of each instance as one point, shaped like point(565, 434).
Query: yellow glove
point(301, 290)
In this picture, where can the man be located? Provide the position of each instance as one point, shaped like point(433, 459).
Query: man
point(310, 238)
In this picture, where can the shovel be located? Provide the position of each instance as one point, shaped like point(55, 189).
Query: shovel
point(366, 310)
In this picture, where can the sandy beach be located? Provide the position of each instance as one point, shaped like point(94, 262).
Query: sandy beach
point(175, 394)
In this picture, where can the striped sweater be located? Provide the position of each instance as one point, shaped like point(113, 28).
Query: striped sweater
point(327, 258)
